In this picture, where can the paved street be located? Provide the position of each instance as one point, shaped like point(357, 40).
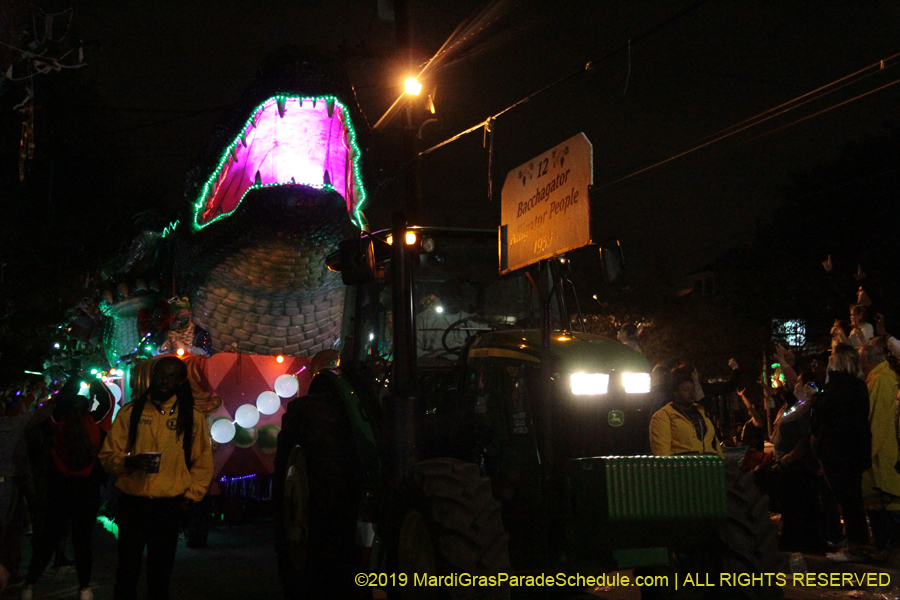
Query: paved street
point(239, 563)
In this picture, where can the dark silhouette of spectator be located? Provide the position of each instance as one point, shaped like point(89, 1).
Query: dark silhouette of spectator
point(754, 432)
point(14, 473)
point(74, 481)
point(797, 479)
point(627, 335)
point(842, 441)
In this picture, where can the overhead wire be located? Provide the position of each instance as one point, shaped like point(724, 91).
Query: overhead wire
point(821, 91)
point(771, 114)
point(830, 108)
point(587, 67)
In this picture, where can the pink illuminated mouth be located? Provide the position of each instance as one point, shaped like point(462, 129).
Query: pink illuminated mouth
point(288, 140)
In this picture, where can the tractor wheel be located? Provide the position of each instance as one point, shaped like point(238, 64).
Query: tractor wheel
point(316, 495)
point(747, 542)
point(748, 539)
point(445, 520)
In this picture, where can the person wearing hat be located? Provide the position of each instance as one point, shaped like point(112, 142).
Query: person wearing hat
point(682, 426)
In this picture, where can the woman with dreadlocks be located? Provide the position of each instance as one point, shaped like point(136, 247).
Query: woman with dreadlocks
point(159, 451)
point(74, 477)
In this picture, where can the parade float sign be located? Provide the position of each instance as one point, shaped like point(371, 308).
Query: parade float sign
point(545, 208)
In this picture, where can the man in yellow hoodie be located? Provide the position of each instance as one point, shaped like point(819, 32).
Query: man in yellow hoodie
point(158, 449)
point(881, 483)
point(681, 426)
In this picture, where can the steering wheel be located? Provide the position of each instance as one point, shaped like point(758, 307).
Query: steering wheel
point(458, 325)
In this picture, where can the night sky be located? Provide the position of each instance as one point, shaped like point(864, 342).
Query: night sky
point(159, 74)
point(707, 70)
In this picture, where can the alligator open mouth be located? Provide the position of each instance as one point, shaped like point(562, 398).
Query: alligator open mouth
point(288, 140)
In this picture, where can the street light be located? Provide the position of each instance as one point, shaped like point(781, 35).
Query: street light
point(412, 87)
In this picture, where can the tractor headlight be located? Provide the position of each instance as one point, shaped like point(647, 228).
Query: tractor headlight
point(636, 383)
point(589, 384)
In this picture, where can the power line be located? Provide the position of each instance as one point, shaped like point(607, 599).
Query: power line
point(819, 92)
point(587, 67)
point(832, 107)
point(770, 114)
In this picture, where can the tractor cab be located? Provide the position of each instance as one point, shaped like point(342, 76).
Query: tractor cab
point(473, 406)
point(454, 296)
point(476, 349)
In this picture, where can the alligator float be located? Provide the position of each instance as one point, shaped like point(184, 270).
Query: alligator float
point(279, 184)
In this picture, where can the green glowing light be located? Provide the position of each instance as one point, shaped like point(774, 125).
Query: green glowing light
point(109, 525)
point(170, 228)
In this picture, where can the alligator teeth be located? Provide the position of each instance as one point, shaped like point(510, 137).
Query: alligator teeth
point(258, 179)
point(244, 138)
point(281, 102)
point(327, 178)
point(329, 104)
point(234, 152)
point(314, 102)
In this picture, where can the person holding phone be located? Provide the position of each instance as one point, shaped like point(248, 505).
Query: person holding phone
point(159, 450)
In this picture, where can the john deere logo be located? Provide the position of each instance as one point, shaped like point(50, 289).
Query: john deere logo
point(615, 418)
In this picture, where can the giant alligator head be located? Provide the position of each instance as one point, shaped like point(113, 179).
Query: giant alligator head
point(279, 185)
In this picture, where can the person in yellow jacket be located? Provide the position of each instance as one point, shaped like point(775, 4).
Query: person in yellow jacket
point(881, 483)
point(682, 426)
point(159, 451)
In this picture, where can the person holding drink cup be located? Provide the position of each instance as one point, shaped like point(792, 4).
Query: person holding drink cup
point(159, 451)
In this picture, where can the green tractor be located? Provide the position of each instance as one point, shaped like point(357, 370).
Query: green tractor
point(470, 431)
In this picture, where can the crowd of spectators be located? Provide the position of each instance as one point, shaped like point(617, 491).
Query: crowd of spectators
point(821, 435)
point(56, 460)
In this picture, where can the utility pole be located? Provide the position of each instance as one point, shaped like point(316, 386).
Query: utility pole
point(410, 155)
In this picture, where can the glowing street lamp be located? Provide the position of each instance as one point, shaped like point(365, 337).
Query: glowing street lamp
point(412, 87)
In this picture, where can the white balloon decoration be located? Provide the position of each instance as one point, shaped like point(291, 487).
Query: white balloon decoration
point(286, 386)
point(115, 389)
point(246, 416)
point(222, 431)
point(268, 403)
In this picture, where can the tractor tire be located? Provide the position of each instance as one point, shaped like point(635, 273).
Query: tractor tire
point(316, 495)
point(445, 520)
point(747, 542)
point(748, 539)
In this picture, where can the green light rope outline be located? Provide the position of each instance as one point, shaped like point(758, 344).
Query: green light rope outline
point(170, 228)
point(354, 149)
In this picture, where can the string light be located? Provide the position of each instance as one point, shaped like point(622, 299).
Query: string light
point(170, 228)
